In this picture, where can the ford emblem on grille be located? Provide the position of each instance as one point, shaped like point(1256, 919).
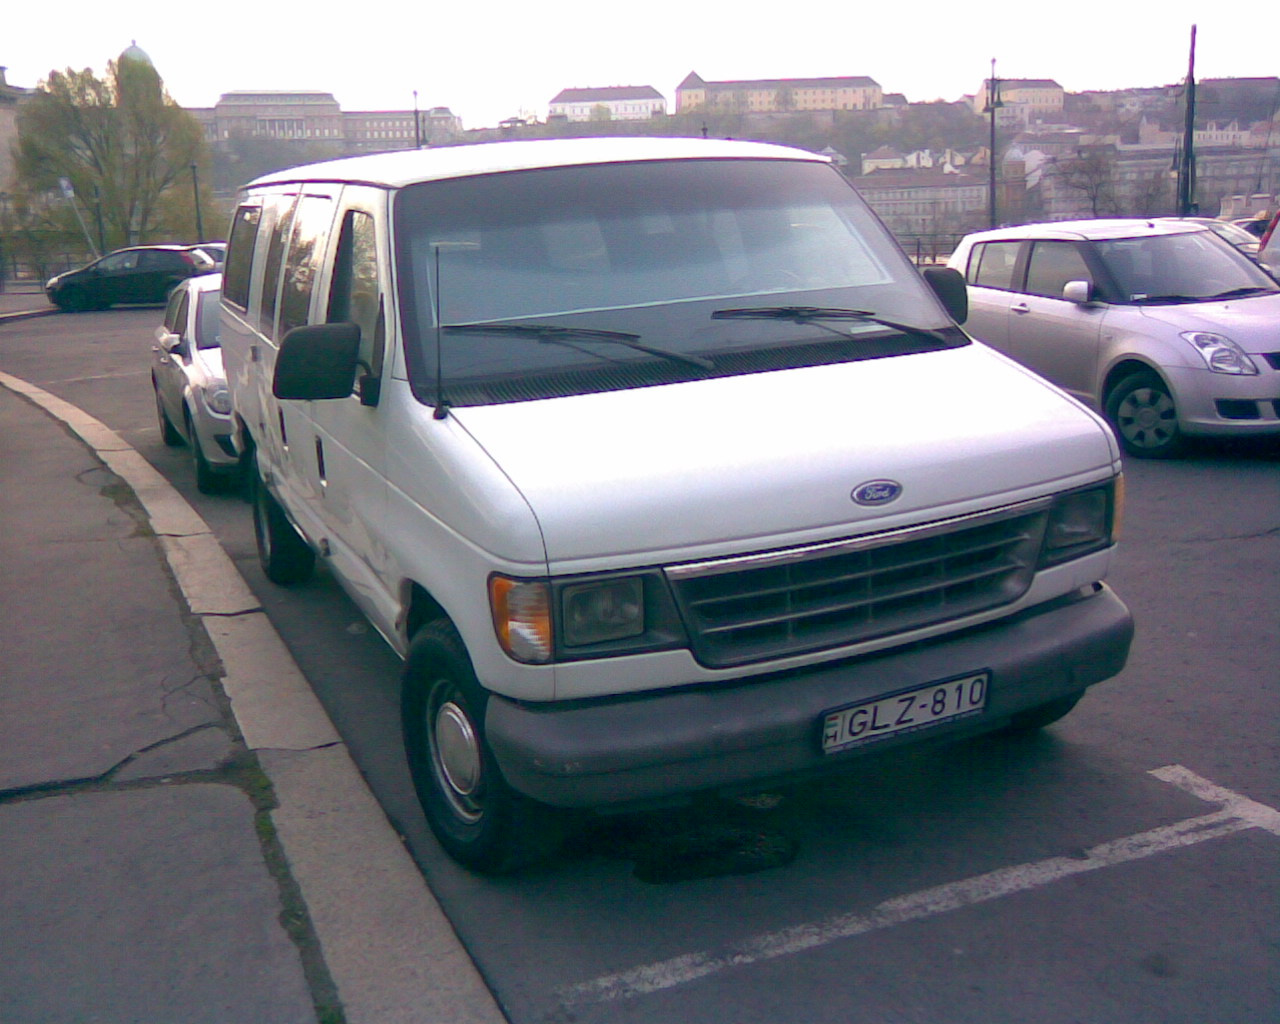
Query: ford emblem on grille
point(877, 492)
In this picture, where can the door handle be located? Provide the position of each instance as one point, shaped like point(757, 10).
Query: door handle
point(1020, 307)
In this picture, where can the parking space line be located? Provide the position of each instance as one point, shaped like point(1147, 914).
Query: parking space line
point(1236, 814)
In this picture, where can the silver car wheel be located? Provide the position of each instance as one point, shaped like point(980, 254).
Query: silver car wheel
point(1146, 417)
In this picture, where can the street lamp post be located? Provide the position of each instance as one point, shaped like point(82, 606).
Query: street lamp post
point(993, 104)
point(195, 189)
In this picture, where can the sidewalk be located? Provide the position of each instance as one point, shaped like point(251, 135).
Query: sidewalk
point(185, 838)
point(23, 297)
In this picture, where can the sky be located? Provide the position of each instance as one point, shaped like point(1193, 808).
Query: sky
point(491, 59)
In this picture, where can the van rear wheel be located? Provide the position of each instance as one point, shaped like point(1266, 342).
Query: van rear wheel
point(283, 554)
point(479, 820)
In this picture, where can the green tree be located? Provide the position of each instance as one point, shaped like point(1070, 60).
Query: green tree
point(124, 145)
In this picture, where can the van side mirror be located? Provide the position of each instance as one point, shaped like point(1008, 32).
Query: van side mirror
point(317, 361)
point(948, 284)
point(1079, 292)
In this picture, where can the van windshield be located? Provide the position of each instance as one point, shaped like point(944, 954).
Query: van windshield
point(650, 250)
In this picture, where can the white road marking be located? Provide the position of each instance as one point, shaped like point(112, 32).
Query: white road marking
point(1237, 813)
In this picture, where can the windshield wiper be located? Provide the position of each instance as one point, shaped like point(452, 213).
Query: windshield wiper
point(1239, 293)
point(556, 334)
point(817, 314)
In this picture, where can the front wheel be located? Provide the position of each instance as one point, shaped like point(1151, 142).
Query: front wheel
point(479, 820)
point(283, 554)
point(208, 480)
point(168, 432)
point(1145, 417)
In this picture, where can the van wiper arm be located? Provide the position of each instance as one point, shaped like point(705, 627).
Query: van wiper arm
point(817, 314)
point(557, 334)
point(1239, 293)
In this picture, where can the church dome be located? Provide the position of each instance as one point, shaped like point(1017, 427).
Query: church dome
point(136, 52)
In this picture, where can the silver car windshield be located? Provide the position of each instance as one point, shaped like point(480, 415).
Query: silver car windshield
point(650, 250)
point(1190, 267)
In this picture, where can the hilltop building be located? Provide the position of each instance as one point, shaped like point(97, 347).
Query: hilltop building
point(614, 103)
point(316, 117)
point(779, 95)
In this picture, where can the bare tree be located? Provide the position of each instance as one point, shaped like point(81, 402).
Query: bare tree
point(1090, 174)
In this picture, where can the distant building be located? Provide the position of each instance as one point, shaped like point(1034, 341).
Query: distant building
point(1023, 100)
point(10, 97)
point(614, 103)
point(779, 95)
point(299, 115)
point(316, 117)
point(928, 201)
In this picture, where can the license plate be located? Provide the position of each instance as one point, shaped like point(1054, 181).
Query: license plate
point(904, 712)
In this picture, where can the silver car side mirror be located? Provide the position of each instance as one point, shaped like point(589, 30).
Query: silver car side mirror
point(1079, 292)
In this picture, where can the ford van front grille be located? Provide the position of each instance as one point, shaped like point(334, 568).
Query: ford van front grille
point(781, 603)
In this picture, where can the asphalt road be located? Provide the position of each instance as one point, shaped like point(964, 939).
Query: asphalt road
point(1046, 879)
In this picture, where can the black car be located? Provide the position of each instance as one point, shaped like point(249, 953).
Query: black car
point(142, 273)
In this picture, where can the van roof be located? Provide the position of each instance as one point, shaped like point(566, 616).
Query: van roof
point(407, 167)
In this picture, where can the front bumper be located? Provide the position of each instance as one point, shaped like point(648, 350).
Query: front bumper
point(661, 746)
point(1251, 403)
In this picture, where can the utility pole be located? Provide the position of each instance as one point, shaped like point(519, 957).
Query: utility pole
point(195, 189)
point(993, 104)
point(1187, 158)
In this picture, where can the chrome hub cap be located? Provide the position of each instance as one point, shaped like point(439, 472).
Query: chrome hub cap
point(455, 751)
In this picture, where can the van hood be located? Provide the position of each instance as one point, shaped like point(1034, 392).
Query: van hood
point(1250, 322)
point(739, 463)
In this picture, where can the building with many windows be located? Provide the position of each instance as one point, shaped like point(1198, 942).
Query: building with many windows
point(779, 95)
point(316, 117)
point(614, 103)
point(1023, 100)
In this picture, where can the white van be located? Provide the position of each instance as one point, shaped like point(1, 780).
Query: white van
point(661, 466)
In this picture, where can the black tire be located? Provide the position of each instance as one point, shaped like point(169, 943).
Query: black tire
point(208, 479)
point(284, 555)
point(168, 432)
point(481, 822)
point(1045, 715)
point(1145, 418)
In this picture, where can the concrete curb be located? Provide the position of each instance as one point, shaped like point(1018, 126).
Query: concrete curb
point(389, 948)
point(27, 314)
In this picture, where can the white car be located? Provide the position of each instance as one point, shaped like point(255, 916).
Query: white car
point(1160, 324)
point(193, 406)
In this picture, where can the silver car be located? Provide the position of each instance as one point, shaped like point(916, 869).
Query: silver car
point(1161, 325)
point(192, 403)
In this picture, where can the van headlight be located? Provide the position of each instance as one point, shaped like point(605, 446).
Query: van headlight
point(608, 609)
point(1221, 354)
point(1082, 522)
point(578, 617)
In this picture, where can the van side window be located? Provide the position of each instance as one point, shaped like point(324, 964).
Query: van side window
point(278, 223)
point(235, 275)
point(1052, 265)
point(354, 296)
point(992, 265)
point(310, 228)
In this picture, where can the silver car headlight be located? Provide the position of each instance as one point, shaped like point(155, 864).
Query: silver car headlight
point(218, 399)
point(1221, 354)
